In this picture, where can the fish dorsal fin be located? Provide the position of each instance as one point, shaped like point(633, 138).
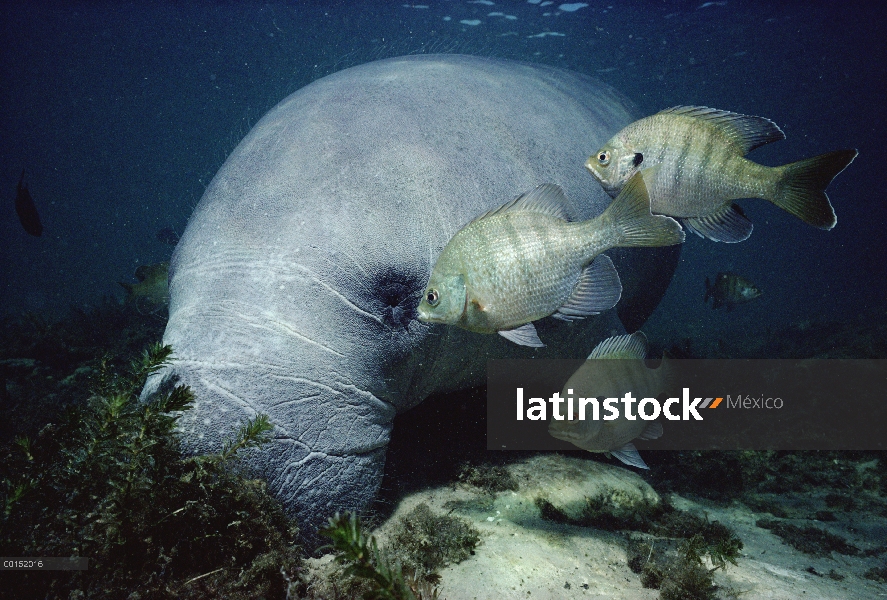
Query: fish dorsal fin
point(597, 290)
point(622, 346)
point(630, 456)
point(729, 224)
point(547, 199)
point(747, 131)
point(525, 335)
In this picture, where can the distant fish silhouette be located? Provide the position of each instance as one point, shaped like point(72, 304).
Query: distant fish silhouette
point(24, 206)
point(730, 289)
point(151, 293)
point(168, 235)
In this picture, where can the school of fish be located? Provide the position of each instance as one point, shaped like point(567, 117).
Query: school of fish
point(526, 260)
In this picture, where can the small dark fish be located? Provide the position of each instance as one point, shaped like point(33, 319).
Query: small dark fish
point(168, 236)
point(730, 289)
point(24, 206)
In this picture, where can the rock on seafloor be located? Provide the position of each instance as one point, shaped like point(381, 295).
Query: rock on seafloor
point(521, 555)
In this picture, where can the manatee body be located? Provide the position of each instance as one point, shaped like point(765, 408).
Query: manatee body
point(295, 285)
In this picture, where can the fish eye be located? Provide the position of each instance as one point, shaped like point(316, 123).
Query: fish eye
point(432, 297)
point(603, 157)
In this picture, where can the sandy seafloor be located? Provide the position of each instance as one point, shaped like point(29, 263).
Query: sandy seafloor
point(524, 556)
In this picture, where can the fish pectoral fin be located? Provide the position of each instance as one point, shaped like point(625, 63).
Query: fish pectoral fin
point(653, 431)
point(547, 199)
point(597, 290)
point(629, 214)
point(728, 225)
point(746, 131)
point(525, 335)
point(632, 346)
point(629, 455)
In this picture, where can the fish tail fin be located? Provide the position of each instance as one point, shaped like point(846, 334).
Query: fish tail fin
point(629, 214)
point(127, 287)
point(801, 188)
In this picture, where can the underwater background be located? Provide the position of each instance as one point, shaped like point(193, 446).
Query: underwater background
point(121, 113)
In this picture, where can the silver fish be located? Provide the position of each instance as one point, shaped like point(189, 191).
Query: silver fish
point(601, 377)
point(692, 159)
point(525, 261)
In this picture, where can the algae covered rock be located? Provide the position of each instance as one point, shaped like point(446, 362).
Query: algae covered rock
point(574, 486)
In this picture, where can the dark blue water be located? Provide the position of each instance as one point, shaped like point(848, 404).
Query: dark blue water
point(121, 113)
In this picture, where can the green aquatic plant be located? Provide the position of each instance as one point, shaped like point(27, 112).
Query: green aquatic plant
point(364, 560)
point(686, 578)
point(878, 574)
point(680, 574)
point(426, 542)
point(809, 540)
point(610, 513)
point(491, 479)
point(674, 562)
point(47, 366)
point(109, 483)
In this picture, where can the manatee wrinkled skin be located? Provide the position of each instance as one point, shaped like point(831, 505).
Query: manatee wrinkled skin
point(295, 285)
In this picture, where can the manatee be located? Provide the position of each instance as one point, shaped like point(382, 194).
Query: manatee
point(294, 288)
